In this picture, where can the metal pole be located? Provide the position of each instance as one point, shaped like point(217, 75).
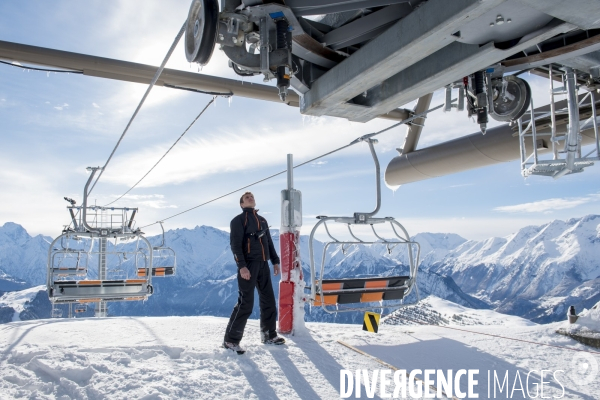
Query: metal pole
point(101, 305)
point(594, 116)
point(553, 117)
point(290, 187)
point(572, 140)
point(290, 171)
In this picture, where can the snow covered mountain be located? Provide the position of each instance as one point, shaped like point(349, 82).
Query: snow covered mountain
point(21, 256)
point(23, 305)
point(205, 281)
point(535, 273)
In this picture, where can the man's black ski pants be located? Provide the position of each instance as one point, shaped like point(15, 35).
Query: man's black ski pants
point(260, 278)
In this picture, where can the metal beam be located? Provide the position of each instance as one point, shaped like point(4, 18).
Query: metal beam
point(581, 48)
point(354, 32)
point(423, 32)
point(445, 66)
point(317, 7)
point(584, 14)
point(141, 73)
point(414, 129)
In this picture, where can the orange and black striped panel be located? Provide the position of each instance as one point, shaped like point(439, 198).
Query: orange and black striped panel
point(334, 290)
point(158, 271)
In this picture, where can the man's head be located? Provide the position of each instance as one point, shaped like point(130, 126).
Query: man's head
point(247, 200)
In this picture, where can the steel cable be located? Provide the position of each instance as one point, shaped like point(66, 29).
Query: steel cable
point(164, 155)
point(156, 76)
point(358, 140)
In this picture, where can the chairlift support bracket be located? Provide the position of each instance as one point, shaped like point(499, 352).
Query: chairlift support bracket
point(567, 157)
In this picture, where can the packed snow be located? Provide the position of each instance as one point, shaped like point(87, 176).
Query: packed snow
point(180, 357)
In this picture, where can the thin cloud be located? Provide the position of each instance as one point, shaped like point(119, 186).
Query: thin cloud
point(549, 205)
point(156, 204)
point(60, 108)
point(147, 200)
point(95, 105)
point(462, 185)
point(218, 152)
point(140, 196)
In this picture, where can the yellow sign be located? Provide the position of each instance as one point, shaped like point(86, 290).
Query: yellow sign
point(371, 322)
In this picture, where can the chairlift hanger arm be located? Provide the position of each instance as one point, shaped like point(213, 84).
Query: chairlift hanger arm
point(353, 235)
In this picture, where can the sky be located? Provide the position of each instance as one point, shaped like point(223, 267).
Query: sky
point(53, 126)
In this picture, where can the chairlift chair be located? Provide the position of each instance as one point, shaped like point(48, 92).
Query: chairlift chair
point(56, 312)
point(363, 293)
point(163, 255)
point(69, 278)
point(80, 308)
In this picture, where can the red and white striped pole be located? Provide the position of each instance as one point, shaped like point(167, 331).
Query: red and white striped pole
point(291, 287)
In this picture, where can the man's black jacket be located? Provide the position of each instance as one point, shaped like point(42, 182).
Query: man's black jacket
point(250, 239)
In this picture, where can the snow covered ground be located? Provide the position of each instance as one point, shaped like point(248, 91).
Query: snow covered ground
point(179, 357)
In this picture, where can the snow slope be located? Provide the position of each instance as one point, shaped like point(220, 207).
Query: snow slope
point(436, 311)
point(179, 357)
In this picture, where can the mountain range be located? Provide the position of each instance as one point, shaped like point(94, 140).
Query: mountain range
point(535, 273)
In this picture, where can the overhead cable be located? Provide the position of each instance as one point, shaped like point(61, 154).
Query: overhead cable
point(362, 138)
point(158, 72)
point(164, 155)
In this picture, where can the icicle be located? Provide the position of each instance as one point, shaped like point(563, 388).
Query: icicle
point(229, 100)
point(48, 74)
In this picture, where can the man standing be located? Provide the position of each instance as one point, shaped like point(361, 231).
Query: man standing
point(252, 248)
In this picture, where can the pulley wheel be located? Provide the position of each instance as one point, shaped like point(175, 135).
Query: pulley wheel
point(201, 30)
point(514, 103)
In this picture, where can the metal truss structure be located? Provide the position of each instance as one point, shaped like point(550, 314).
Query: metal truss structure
point(361, 60)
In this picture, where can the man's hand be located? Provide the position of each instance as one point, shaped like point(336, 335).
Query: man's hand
point(245, 273)
point(276, 269)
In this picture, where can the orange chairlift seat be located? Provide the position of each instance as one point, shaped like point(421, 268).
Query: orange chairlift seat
point(363, 293)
